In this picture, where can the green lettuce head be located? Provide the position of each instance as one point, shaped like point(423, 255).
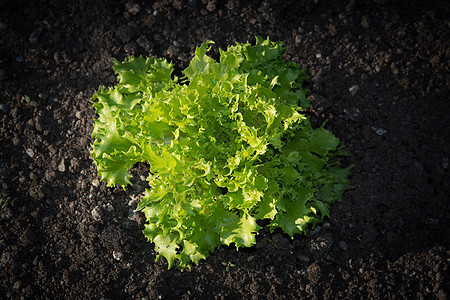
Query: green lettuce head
point(227, 145)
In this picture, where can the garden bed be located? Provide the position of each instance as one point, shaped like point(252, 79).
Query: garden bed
point(379, 75)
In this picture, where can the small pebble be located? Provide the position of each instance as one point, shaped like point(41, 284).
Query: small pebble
point(43, 95)
point(56, 57)
point(109, 207)
point(96, 213)
point(96, 182)
point(321, 244)
point(379, 131)
point(132, 215)
point(62, 166)
point(17, 285)
point(30, 152)
point(133, 9)
point(84, 142)
point(38, 124)
point(353, 90)
point(117, 255)
point(211, 6)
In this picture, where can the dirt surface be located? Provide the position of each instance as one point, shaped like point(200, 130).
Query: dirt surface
point(379, 73)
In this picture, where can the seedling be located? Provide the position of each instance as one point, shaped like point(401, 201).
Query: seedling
point(3, 202)
point(228, 265)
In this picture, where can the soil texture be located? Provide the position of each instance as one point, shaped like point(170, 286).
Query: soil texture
point(379, 74)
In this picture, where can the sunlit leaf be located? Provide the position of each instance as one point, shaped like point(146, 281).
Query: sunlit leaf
point(227, 145)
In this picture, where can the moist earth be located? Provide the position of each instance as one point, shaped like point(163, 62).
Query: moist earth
point(379, 73)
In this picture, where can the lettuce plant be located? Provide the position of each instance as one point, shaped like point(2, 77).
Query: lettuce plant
point(227, 145)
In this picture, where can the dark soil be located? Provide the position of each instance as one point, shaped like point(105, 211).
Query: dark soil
point(379, 73)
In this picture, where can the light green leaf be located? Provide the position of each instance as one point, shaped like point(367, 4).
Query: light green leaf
point(166, 245)
point(241, 233)
point(227, 145)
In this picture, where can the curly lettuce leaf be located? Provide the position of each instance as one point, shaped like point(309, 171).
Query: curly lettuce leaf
point(227, 145)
